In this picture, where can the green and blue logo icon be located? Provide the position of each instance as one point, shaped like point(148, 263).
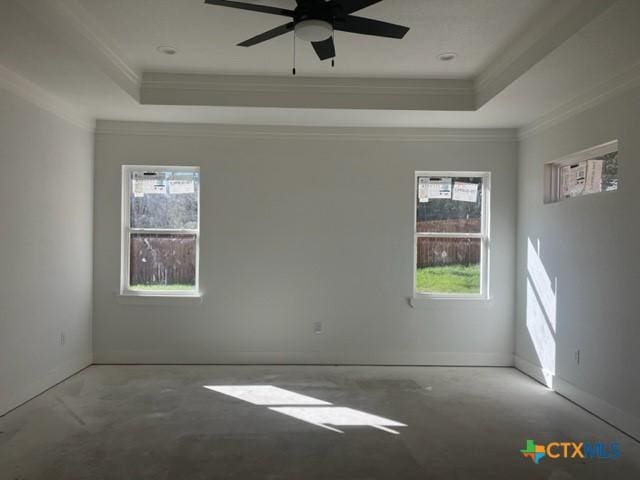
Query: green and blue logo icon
point(570, 450)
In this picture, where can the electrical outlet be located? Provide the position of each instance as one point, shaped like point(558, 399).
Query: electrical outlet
point(576, 355)
point(62, 338)
point(318, 327)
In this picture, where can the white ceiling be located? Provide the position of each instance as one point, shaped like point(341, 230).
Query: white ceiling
point(90, 55)
point(206, 37)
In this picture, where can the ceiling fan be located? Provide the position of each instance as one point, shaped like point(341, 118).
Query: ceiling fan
point(315, 21)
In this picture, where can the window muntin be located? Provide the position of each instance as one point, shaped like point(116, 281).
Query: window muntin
point(451, 234)
point(160, 230)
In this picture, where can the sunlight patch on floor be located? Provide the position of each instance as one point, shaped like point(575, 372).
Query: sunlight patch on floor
point(307, 409)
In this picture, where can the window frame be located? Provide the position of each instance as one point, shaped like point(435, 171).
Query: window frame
point(127, 231)
point(552, 169)
point(483, 235)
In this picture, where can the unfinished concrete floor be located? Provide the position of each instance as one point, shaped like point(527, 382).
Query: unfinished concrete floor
point(159, 422)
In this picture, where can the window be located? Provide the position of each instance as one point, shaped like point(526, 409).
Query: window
point(590, 171)
point(451, 243)
point(161, 230)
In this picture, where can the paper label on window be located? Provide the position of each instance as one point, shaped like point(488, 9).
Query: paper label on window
point(138, 189)
point(181, 186)
point(594, 176)
point(153, 185)
point(439, 188)
point(465, 192)
point(573, 179)
point(423, 189)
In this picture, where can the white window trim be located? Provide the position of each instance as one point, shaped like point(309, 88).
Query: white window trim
point(483, 235)
point(126, 232)
point(552, 169)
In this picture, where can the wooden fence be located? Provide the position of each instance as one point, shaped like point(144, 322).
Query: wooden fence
point(163, 260)
point(447, 251)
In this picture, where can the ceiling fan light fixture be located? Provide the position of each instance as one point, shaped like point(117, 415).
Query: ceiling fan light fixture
point(313, 30)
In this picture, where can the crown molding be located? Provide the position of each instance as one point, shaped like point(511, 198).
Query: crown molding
point(611, 88)
point(110, 127)
point(74, 24)
point(279, 84)
point(29, 91)
point(546, 32)
point(306, 92)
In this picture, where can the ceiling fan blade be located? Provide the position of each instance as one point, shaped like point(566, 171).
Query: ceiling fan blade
point(250, 6)
point(325, 49)
point(268, 35)
point(350, 6)
point(368, 26)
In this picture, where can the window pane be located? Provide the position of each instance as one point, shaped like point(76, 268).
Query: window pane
point(448, 265)
point(609, 171)
point(164, 199)
point(598, 174)
point(449, 205)
point(162, 262)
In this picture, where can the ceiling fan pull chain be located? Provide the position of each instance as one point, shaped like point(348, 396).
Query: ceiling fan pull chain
point(333, 60)
point(294, 55)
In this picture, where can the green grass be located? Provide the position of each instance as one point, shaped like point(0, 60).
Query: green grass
point(448, 279)
point(155, 288)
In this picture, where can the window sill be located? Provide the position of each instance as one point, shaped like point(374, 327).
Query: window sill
point(180, 300)
point(430, 301)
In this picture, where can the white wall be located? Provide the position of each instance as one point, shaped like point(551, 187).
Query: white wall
point(299, 227)
point(590, 245)
point(46, 201)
